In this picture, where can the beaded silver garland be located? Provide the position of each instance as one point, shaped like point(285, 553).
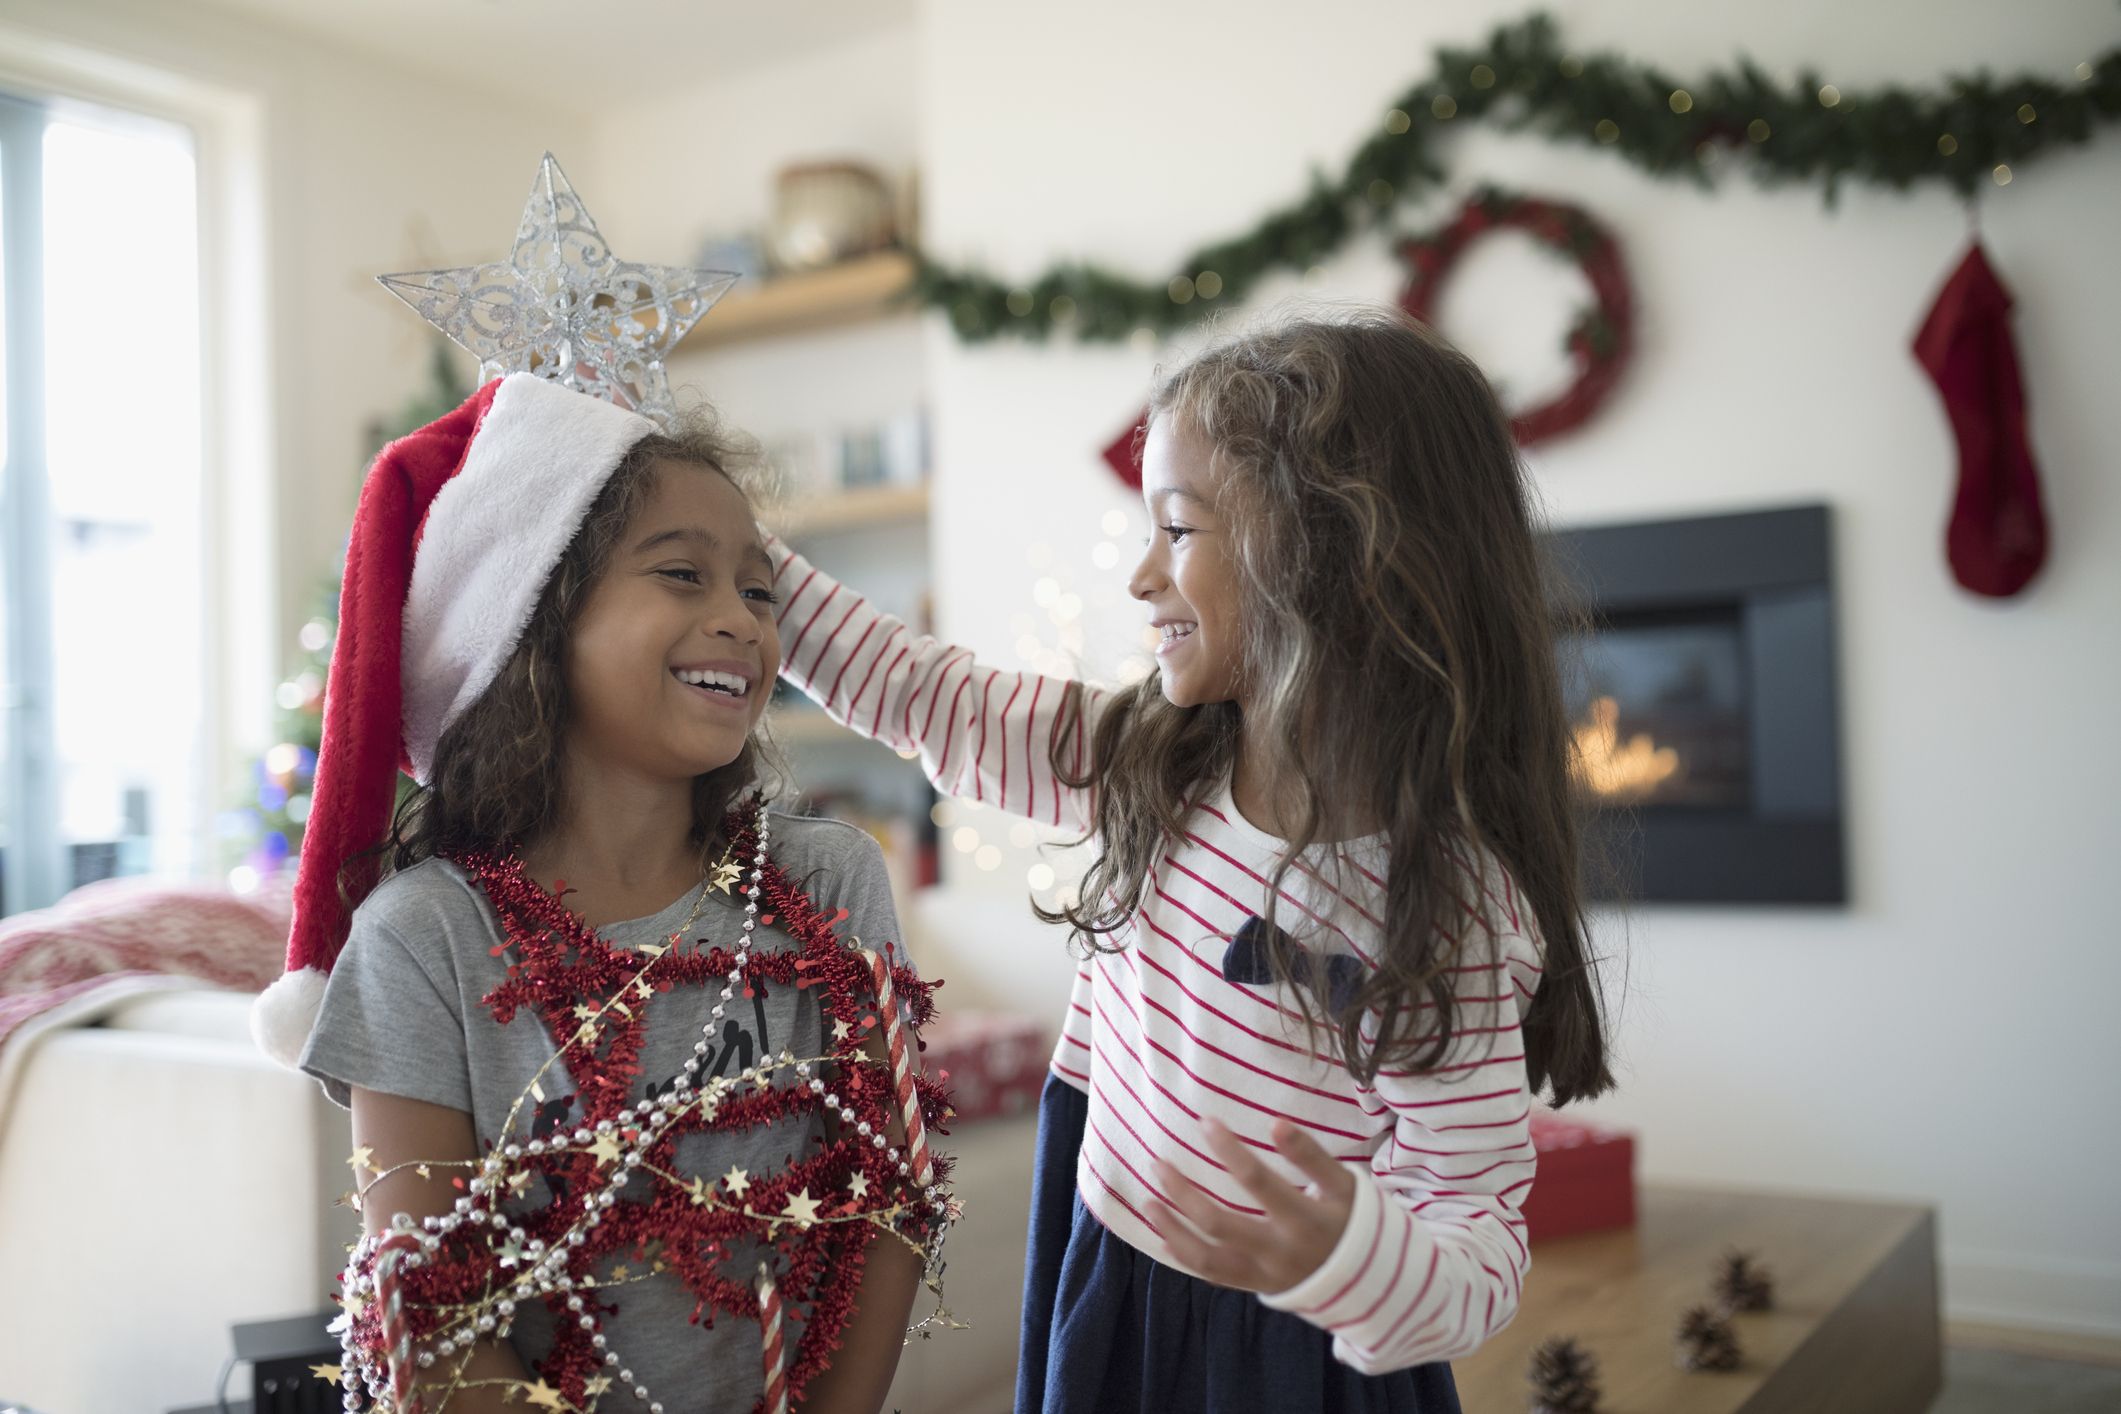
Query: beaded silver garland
point(548, 1272)
point(541, 1270)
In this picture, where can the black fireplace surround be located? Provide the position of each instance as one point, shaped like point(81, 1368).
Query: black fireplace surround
point(1705, 706)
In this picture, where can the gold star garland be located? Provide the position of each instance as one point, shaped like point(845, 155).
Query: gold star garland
point(452, 1329)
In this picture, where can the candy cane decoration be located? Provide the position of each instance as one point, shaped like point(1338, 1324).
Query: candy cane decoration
point(770, 1326)
point(397, 1329)
point(902, 1070)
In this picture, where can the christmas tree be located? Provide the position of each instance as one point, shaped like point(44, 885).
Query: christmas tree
point(265, 831)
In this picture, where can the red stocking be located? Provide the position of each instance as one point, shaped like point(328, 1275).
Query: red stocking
point(1998, 534)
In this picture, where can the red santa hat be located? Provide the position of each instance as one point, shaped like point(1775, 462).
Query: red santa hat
point(458, 528)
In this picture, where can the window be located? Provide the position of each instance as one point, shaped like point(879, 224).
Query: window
point(102, 594)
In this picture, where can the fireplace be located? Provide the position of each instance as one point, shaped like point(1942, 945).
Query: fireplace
point(1704, 708)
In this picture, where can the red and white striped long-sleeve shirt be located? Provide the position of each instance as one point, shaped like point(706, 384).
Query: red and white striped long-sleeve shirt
point(1434, 1255)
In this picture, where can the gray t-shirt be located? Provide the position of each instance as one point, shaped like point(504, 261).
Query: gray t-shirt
point(403, 1015)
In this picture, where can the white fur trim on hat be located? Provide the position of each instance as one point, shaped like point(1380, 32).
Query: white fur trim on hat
point(284, 1013)
point(493, 536)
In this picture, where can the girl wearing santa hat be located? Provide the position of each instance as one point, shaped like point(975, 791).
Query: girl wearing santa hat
point(560, 620)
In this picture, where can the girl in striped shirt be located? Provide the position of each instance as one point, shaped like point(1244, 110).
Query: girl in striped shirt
point(1331, 943)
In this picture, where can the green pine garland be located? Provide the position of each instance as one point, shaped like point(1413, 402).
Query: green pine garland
point(1970, 132)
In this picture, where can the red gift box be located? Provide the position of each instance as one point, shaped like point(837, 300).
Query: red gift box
point(1586, 1180)
point(995, 1062)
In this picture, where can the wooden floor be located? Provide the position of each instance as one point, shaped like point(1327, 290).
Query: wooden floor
point(2035, 1343)
point(1855, 1326)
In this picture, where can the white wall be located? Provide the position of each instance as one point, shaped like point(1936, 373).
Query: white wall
point(695, 160)
point(1946, 1037)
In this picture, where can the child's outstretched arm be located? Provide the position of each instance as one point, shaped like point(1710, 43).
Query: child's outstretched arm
point(983, 733)
point(389, 1131)
point(1423, 1256)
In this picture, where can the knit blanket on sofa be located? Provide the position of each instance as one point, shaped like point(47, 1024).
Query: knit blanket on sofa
point(69, 964)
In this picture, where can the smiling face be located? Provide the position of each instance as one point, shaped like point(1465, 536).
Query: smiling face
point(1188, 576)
point(673, 656)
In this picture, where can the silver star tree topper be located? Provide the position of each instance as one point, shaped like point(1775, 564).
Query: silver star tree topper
point(563, 307)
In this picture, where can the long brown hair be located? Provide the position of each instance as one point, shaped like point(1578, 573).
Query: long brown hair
point(497, 777)
point(1398, 651)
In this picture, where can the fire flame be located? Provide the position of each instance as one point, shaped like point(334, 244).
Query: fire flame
point(1614, 771)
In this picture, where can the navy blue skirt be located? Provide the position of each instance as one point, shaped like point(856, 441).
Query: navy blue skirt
point(1108, 1330)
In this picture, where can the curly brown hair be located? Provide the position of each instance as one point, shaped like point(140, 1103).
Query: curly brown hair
point(497, 778)
point(1398, 646)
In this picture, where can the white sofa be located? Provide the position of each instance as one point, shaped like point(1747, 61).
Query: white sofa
point(161, 1180)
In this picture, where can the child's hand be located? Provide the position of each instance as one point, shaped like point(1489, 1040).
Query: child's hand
point(1271, 1253)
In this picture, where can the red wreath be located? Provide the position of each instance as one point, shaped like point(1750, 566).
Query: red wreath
point(1602, 337)
point(1598, 343)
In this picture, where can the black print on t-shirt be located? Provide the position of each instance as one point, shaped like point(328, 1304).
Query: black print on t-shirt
point(739, 1047)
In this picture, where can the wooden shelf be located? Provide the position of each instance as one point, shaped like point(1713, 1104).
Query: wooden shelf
point(866, 287)
point(866, 508)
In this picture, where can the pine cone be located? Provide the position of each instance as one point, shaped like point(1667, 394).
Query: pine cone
point(1705, 1341)
point(1742, 1284)
point(1564, 1378)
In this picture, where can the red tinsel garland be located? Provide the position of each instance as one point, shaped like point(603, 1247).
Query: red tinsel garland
point(559, 964)
point(1603, 336)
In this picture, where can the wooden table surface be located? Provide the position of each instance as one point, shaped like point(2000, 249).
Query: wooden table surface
point(1855, 1326)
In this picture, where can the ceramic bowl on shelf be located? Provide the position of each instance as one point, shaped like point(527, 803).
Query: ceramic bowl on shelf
point(827, 212)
